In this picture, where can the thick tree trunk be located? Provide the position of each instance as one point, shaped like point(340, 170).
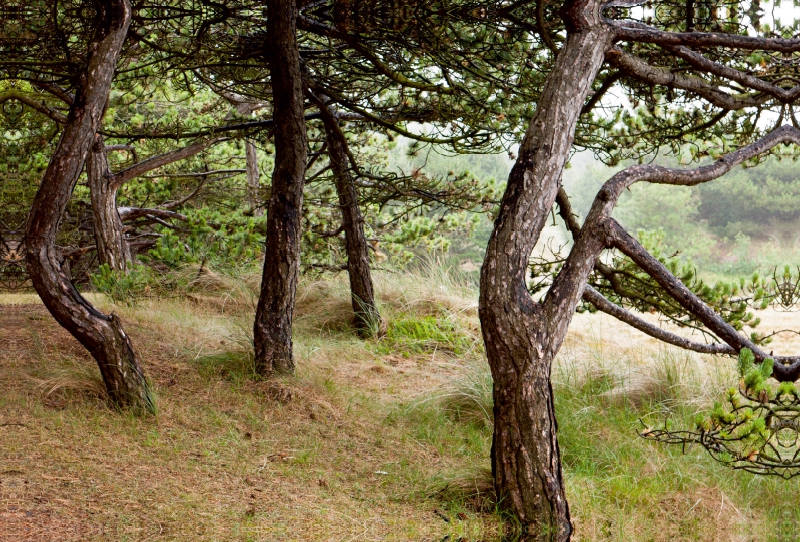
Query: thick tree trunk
point(253, 184)
point(102, 335)
point(362, 292)
point(521, 338)
point(109, 233)
point(272, 330)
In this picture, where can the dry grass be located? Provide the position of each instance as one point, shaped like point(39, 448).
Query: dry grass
point(363, 444)
point(322, 456)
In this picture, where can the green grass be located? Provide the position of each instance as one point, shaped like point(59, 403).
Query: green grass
point(235, 365)
point(408, 334)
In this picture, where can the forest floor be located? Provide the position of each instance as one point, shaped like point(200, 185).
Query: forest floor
point(383, 439)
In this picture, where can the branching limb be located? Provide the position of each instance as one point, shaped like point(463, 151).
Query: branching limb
point(642, 33)
point(602, 304)
point(39, 105)
point(785, 369)
point(702, 63)
point(636, 67)
point(161, 160)
point(132, 213)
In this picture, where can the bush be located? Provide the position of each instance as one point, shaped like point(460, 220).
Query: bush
point(120, 286)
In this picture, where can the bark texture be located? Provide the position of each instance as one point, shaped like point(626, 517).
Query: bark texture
point(253, 184)
point(521, 338)
point(102, 335)
point(362, 292)
point(272, 330)
point(112, 247)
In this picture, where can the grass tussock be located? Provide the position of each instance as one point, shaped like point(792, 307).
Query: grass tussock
point(468, 396)
point(71, 379)
point(472, 490)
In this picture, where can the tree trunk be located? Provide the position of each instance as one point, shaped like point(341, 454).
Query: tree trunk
point(102, 335)
point(112, 247)
point(272, 330)
point(109, 233)
point(362, 293)
point(253, 191)
point(521, 340)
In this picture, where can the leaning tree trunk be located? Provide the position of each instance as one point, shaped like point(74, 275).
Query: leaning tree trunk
point(109, 233)
point(362, 292)
point(521, 341)
point(102, 335)
point(272, 330)
point(253, 184)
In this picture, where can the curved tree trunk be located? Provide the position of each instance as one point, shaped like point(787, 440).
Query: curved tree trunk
point(362, 292)
point(102, 335)
point(109, 233)
point(521, 338)
point(272, 330)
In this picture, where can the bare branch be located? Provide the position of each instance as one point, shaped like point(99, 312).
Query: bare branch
point(699, 61)
point(197, 174)
point(602, 304)
point(637, 68)
point(156, 162)
point(40, 106)
point(56, 91)
point(132, 213)
point(785, 369)
point(640, 32)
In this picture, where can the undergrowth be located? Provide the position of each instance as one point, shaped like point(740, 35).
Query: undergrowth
point(409, 334)
point(387, 428)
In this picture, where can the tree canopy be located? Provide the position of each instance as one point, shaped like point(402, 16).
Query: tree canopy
point(136, 132)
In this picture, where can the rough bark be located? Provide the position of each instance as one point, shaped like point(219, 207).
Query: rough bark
point(272, 330)
point(101, 334)
point(362, 293)
point(112, 247)
point(253, 188)
point(521, 340)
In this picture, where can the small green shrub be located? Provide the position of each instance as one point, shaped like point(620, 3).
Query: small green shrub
point(120, 286)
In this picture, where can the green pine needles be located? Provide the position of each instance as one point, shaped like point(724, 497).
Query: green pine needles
point(755, 427)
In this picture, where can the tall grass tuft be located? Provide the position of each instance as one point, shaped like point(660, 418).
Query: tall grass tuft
point(468, 398)
point(72, 376)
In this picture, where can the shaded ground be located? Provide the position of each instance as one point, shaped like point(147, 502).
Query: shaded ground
point(356, 447)
point(312, 458)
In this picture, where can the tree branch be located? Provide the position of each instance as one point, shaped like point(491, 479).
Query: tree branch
point(40, 106)
point(642, 33)
point(161, 160)
point(785, 369)
point(132, 213)
point(637, 68)
point(602, 304)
